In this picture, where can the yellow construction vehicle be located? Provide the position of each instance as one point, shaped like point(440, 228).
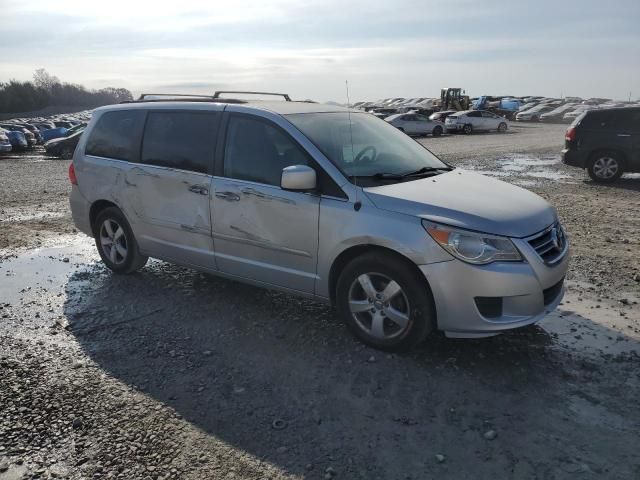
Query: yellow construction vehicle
point(453, 99)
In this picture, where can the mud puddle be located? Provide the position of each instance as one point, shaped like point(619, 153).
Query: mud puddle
point(44, 267)
point(526, 170)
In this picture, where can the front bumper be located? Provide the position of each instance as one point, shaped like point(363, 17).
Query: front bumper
point(528, 290)
point(5, 147)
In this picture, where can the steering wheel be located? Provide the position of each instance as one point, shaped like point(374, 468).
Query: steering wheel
point(361, 156)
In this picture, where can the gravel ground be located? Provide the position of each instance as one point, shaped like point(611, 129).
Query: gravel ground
point(172, 374)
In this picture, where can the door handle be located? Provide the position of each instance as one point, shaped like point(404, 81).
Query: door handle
point(201, 189)
point(624, 134)
point(229, 196)
point(253, 191)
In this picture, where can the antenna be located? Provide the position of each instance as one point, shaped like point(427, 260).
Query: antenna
point(357, 205)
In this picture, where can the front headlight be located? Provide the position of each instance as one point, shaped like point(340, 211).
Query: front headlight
point(472, 247)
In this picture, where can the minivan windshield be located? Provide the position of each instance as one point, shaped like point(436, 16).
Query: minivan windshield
point(370, 148)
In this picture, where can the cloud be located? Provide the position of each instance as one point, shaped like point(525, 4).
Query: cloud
point(408, 47)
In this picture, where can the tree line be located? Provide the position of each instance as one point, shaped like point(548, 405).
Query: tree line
point(47, 90)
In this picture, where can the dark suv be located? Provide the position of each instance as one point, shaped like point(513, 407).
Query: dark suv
point(605, 142)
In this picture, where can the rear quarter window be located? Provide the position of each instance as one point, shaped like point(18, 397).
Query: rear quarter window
point(182, 140)
point(117, 135)
point(611, 119)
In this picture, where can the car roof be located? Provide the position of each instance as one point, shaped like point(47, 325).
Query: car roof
point(598, 111)
point(279, 107)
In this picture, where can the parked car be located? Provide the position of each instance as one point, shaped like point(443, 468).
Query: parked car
point(570, 116)
point(64, 124)
point(557, 114)
point(53, 133)
point(63, 147)
point(533, 114)
point(17, 139)
point(31, 128)
point(384, 112)
point(605, 142)
point(44, 125)
point(468, 121)
point(320, 201)
point(5, 143)
point(441, 116)
point(28, 135)
point(414, 124)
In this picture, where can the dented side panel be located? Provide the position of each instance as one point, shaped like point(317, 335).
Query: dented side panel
point(171, 208)
point(265, 233)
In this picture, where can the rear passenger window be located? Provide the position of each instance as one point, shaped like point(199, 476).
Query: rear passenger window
point(474, 114)
point(183, 140)
point(117, 135)
point(257, 151)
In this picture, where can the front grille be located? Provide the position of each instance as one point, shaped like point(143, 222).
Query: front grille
point(550, 244)
point(551, 293)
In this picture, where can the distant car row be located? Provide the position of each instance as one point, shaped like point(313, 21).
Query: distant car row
point(559, 111)
point(531, 109)
point(59, 136)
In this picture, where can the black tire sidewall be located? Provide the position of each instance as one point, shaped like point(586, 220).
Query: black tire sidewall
point(437, 131)
point(134, 260)
point(421, 304)
point(502, 127)
point(599, 155)
point(64, 151)
point(468, 129)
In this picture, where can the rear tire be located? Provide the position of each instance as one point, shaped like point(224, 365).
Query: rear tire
point(502, 127)
point(437, 131)
point(605, 167)
point(66, 153)
point(115, 242)
point(385, 303)
point(468, 129)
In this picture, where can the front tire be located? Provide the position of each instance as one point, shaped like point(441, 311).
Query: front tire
point(437, 131)
point(605, 167)
point(468, 129)
point(385, 303)
point(502, 127)
point(115, 242)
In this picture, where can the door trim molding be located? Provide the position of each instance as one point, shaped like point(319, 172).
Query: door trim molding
point(261, 244)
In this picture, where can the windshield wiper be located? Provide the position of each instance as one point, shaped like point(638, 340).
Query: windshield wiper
point(417, 173)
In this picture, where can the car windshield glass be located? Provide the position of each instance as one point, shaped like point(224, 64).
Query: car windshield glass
point(377, 147)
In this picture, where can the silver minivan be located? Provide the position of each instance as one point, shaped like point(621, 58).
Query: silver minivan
point(321, 201)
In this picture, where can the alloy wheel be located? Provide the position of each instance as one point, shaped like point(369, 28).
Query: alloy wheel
point(113, 241)
point(605, 167)
point(379, 306)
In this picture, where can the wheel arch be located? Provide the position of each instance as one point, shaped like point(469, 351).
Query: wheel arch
point(97, 207)
point(347, 255)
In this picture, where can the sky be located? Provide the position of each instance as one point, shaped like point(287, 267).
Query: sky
point(309, 48)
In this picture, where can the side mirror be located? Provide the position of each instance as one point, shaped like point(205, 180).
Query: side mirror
point(298, 178)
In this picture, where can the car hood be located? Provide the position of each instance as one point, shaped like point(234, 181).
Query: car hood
point(468, 200)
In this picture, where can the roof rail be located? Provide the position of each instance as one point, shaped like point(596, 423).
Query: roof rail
point(216, 95)
point(169, 97)
point(179, 95)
